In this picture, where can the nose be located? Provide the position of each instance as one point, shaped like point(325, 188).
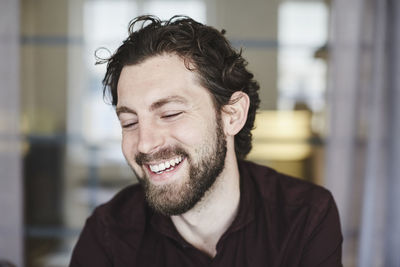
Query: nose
point(150, 138)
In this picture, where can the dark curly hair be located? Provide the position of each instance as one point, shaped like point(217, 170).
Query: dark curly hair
point(220, 68)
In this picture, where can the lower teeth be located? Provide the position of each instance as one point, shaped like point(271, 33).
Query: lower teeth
point(167, 170)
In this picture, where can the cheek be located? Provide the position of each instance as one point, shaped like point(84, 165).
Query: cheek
point(127, 146)
point(128, 150)
point(193, 133)
point(186, 135)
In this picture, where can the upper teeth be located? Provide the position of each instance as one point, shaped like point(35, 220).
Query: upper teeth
point(165, 165)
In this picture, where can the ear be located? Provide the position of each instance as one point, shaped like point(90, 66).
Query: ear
point(234, 114)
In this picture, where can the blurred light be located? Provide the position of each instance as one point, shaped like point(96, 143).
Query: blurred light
point(281, 135)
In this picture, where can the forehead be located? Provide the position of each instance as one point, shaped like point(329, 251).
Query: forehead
point(158, 77)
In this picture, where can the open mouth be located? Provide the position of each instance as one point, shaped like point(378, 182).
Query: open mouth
point(165, 166)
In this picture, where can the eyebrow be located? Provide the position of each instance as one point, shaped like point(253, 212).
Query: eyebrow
point(169, 99)
point(124, 109)
point(156, 105)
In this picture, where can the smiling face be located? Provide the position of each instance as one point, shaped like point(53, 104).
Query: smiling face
point(173, 137)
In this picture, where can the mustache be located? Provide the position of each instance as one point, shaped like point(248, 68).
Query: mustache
point(163, 154)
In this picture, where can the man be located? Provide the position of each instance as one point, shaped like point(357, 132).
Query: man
point(186, 104)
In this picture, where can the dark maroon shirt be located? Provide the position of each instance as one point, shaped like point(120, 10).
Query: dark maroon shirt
point(282, 221)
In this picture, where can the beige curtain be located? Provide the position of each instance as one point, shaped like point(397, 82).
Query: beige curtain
point(363, 150)
point(11, 237)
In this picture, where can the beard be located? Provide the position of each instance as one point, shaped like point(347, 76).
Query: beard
point(183, 194)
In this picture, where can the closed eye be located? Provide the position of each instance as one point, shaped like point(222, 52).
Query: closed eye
point(129, 125)
point(171, 115)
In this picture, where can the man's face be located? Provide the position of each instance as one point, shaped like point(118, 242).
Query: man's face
point(172, 136)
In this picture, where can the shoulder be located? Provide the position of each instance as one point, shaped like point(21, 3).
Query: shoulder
point(283, 190)
point(126, 208)
point(108, 229)
point(302, 217)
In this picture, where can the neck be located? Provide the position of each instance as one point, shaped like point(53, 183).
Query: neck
point(204, 224)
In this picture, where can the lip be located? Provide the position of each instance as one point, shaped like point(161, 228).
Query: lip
point(166, 176)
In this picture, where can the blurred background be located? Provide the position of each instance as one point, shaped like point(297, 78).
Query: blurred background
point(330, 112)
